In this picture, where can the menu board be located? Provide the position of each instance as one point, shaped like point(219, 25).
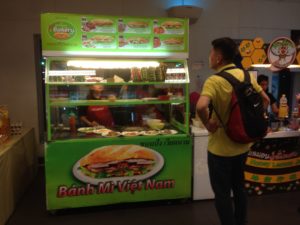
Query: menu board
point(63, 33)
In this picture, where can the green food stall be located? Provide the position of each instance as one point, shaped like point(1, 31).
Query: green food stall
point(145, 152)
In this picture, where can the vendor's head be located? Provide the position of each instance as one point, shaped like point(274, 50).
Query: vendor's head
point(95, 91)
point(263, 81)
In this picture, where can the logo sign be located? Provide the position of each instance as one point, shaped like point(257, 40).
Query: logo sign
point(281, 52)
point(61, 31)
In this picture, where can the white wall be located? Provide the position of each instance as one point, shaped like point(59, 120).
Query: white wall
point(234, 18)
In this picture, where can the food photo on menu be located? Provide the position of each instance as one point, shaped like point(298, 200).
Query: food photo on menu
point(134, 41)
point(117, 163)
point(98, 25)
point(139, 26)
point(98, 41)
point(168, 27)
point(172, 24)
point(168, 42)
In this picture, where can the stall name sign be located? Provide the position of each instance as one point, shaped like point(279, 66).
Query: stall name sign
point(61, 31)
point(130, 186)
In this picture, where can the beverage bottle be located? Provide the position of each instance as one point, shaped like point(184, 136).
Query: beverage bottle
point(283, 107)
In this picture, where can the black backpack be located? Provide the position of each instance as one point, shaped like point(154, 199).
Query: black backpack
point(247, 121)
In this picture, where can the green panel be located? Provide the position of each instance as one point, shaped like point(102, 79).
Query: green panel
point(172, 181)
point(98, 33)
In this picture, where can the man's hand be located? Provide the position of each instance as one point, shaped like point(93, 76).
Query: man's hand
point(212, 125)
point(203, 112)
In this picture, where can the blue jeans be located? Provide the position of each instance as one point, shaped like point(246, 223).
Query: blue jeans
point(226, 175)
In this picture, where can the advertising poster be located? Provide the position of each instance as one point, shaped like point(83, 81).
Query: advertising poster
point(273, 166)
point(97, 172)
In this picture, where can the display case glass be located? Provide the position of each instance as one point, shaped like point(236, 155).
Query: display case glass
point(95, 98)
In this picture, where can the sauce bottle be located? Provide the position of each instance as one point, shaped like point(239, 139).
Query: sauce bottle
point(72, 124)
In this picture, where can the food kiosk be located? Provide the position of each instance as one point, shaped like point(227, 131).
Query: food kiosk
point(145, 152)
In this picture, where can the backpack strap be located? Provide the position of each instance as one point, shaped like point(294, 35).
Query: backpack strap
point(233, 81)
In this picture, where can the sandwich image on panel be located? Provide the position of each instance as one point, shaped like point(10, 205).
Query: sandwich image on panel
point(97, 25)
point(103, 38)
point(102, 22)
point(173, 41)
point(137, 24)
point(98, 41)
point(172, 25)
point(118, 163)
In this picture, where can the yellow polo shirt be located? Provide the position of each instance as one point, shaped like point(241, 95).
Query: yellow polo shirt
point(219, 91)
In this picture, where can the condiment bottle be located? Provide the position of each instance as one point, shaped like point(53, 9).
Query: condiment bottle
point(72, 124)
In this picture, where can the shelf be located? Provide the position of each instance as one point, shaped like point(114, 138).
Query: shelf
point(120, 84)
point(120, 102)
point(66, 138)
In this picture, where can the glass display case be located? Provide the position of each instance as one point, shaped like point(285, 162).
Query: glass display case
point(115, 98)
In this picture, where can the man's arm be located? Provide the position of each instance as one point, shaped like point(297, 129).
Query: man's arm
point(265, 98)
point(203, 113)
point(87, 122)
point(274, 108)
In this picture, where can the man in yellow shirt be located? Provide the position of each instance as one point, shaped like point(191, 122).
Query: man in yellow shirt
point(226, 158)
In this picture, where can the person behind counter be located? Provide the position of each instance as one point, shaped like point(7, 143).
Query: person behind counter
point(95, 115)
point(263, 81)
point(149, 111)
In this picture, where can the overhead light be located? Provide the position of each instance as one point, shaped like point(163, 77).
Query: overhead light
point(71, 73)
point(261, 65)
point(96, 64)
point(292, 66)
point(185, 11)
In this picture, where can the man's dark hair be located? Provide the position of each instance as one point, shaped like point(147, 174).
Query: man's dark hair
point(262, 78)
point(227, 47)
